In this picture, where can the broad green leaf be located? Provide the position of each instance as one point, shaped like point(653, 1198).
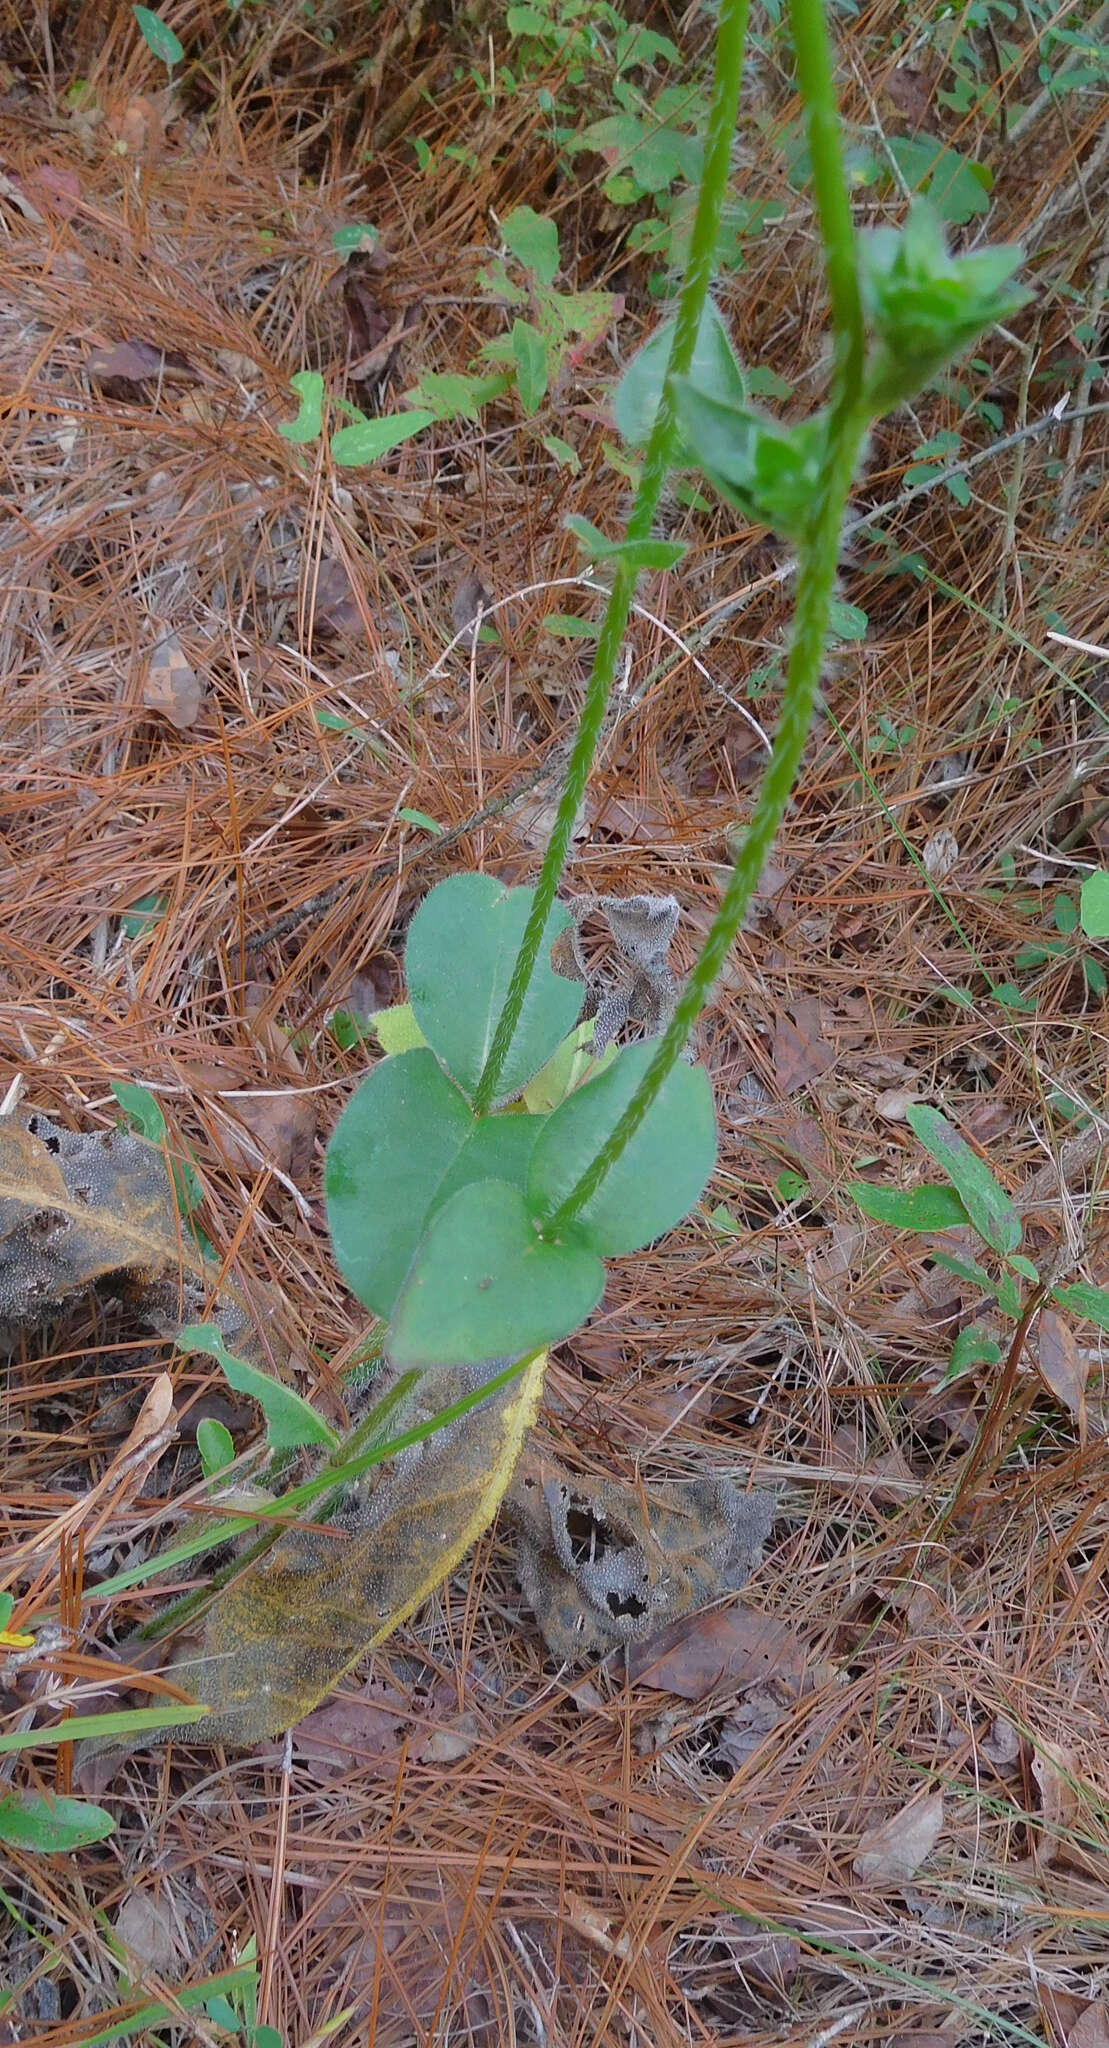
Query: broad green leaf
point(659, 1176)
point(1008, 1296)
point(450, 395)
point(1023, 1266)
point(923, 1208)
point(158, 36)
point(972, 1347)
point(634, 554)
point(38, 1821)
point(484, 1283)
point(1094, 905)
point(955, 187)
point(368, 440)
point(214, 1443)
point(420, 818)
point(714, 370)
point(987, 1204)
point(1084, 1300)
point(461, 950)
point(308, 386)
point(290, 1420)
point(406, 1140)
point(533, 241)
point(529, 352)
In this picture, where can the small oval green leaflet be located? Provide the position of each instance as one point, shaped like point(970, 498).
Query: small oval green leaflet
point(158, 36)
point(49, 1826)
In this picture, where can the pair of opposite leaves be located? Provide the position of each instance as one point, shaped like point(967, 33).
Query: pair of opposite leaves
point(437, 1216)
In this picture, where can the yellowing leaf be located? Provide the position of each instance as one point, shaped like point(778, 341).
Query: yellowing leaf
point(279, 1638)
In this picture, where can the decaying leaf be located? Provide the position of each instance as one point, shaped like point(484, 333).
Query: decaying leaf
point(1063, 1369)
point(80, 1206)
point(893, 1853)
point(1056, 1773)
point(171, 685)
point(279, 1638)
point(597, 1573)
point(643, 928)
point(736, 1646)
point(801, 1055)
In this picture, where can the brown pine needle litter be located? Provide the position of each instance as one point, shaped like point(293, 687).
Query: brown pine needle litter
point(224, 682)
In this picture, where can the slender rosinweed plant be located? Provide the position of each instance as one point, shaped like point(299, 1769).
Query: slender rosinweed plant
point(476, 1234)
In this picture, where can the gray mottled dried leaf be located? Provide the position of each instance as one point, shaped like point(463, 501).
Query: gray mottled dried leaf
point(598, 1572)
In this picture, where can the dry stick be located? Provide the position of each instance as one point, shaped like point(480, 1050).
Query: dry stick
point(1091, 368)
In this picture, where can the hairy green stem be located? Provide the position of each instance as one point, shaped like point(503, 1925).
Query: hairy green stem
point(818, 557)
point(730, 39)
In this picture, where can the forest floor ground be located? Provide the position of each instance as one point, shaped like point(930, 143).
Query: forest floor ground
point(245, 725)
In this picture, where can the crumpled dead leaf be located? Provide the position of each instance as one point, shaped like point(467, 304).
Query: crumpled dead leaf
point(78, 1207)
point(278, 1638)
point(643, 929)
point(893, 1853)
point(598, 1573)
point(125, 368)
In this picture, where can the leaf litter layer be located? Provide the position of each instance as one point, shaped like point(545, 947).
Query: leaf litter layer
point(868, 1800)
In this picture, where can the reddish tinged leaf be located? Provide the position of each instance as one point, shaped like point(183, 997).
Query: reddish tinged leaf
point(801, 1055)
point(736, 1646)
point(138, 362)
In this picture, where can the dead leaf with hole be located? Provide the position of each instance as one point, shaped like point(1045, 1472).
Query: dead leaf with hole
point(171, 685)
point(278, 1639)
point(1062, 1367)
point(893, 1853)
point(598, 1572)
point(644, 989)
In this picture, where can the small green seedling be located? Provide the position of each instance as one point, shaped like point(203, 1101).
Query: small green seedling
point(158, 36)
point(971, 1196)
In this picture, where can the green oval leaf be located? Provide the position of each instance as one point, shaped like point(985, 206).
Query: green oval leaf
point(369, 440)
point(925, 1208)
point(1094, 906)
point(405, 1142)
point(658, 1177)
point(533, 241)
point(529, 351)
point(158, 36)
point(214, 1443)
point(290, 1420)
point(34, 1820)
point(987, 1204)
point(485, 1285)
point(461, 950)
point(633, 554)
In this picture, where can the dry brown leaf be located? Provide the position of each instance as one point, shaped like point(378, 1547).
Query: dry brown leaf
point(133, 363)
point(597, 1572)
point(941, 854)
point(736, 1646)
point(278, 1638)
point(801, 1055)
point(1056, 1773)
point(1062, 1367)
point(1074, 2022)
point(171, 685)
point(893, 1853)
point(1091, 2029)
